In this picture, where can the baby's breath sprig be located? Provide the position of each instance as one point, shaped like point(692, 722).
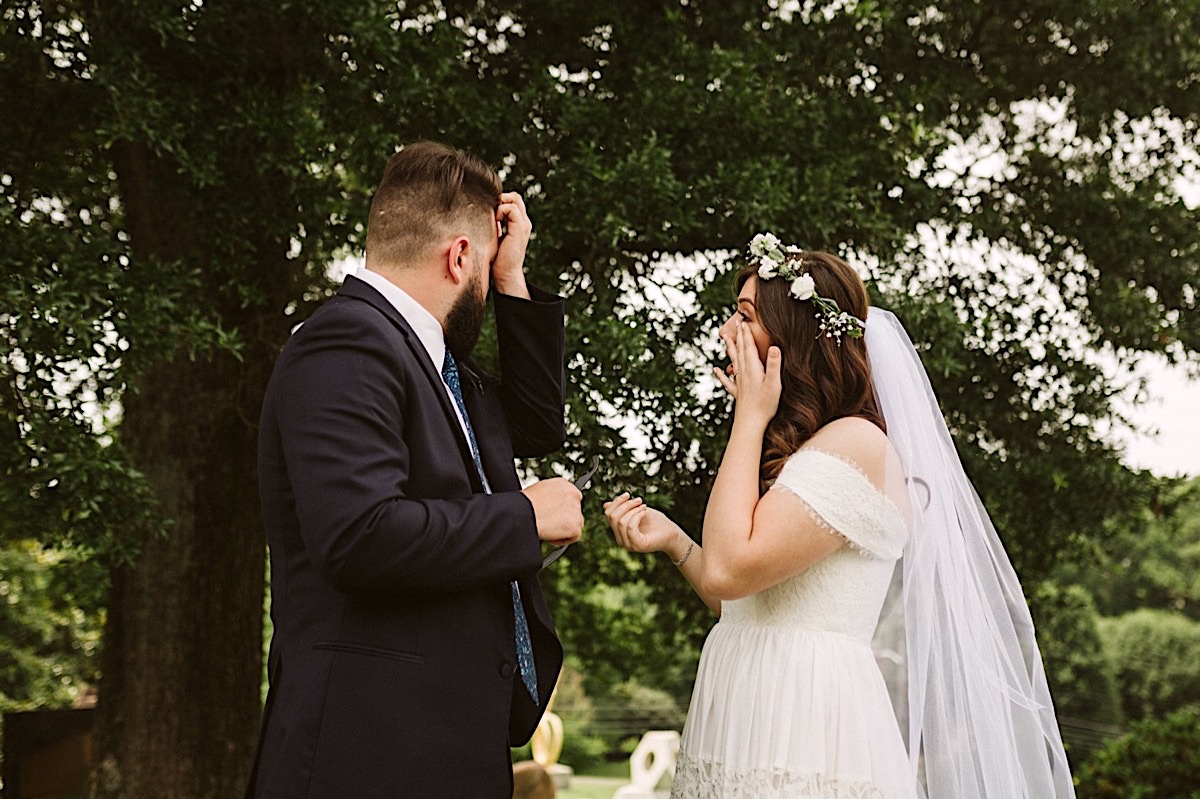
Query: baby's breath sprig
point(775, 259)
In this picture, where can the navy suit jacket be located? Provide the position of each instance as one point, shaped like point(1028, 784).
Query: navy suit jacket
point(393, 667)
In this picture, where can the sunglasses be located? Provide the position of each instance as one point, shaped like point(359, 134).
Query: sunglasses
point(581, 484)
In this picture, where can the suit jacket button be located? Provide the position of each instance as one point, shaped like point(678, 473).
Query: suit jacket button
point(506, 670)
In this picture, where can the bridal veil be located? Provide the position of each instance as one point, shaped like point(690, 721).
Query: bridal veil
point(955, 640)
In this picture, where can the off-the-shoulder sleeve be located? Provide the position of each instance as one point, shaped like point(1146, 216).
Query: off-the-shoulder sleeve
point(842, 499)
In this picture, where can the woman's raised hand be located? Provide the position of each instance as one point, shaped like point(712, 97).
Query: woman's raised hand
point(638, 527)
point(755, 386)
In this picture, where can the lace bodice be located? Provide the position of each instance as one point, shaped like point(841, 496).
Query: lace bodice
point(844, 592)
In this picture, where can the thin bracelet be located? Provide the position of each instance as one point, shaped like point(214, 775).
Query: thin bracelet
point(687, 553)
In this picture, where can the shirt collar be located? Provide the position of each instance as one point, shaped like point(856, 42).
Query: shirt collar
point(423, 323)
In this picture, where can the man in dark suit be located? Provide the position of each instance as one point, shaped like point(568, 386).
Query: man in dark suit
point(412, 642)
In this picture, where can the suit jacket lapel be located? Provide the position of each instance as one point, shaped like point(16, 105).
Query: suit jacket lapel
point(359, 289)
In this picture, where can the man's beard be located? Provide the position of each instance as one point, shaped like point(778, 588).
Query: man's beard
point(465, 319)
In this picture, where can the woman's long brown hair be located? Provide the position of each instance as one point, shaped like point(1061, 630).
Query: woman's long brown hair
point(822, 380)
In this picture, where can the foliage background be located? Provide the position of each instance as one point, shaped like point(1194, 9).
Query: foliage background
point(180, 176)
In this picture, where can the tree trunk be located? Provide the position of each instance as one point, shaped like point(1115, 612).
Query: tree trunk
point(179, 701)
point(182, 662)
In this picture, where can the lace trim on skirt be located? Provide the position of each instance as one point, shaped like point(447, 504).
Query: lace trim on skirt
point(706, 779)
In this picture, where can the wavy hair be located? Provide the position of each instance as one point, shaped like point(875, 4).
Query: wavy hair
point(822, 380)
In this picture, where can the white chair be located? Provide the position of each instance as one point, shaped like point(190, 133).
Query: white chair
point(654, 757)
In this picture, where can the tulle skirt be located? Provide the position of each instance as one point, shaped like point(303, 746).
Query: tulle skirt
point(790, 713)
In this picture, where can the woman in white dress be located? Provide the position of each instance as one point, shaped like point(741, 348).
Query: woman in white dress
point(873, 640)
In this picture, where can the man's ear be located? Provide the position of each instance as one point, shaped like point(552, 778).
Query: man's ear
point(458, 259)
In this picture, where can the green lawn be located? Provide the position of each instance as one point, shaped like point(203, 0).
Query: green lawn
point(614, 775)
point(577, 791)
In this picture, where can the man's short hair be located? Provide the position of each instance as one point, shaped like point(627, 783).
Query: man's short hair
point(427, 191)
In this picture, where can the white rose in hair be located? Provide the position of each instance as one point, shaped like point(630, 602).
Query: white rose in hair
point(765, 243)
point(766, 268)
point(802, 287)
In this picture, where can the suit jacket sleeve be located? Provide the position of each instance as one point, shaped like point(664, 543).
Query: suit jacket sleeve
point(348, 399)
point(532, 347)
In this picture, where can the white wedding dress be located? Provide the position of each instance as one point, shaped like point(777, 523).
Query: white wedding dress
point(789, 701)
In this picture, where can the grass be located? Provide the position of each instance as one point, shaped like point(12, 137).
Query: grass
point(613, 774)
point(577, 791)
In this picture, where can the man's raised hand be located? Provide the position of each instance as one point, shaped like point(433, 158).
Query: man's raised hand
point(508, 270)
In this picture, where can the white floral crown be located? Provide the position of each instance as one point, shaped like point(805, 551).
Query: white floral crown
point(776, 260)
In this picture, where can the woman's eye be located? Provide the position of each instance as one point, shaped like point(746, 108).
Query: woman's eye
point(744, 317)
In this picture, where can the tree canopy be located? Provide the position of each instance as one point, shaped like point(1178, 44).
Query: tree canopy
point(178, 177)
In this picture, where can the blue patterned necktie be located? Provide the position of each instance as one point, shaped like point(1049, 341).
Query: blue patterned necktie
point(524, 643)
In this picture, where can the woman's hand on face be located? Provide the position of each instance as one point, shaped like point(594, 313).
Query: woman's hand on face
point(639, 528)
point(755, 386)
